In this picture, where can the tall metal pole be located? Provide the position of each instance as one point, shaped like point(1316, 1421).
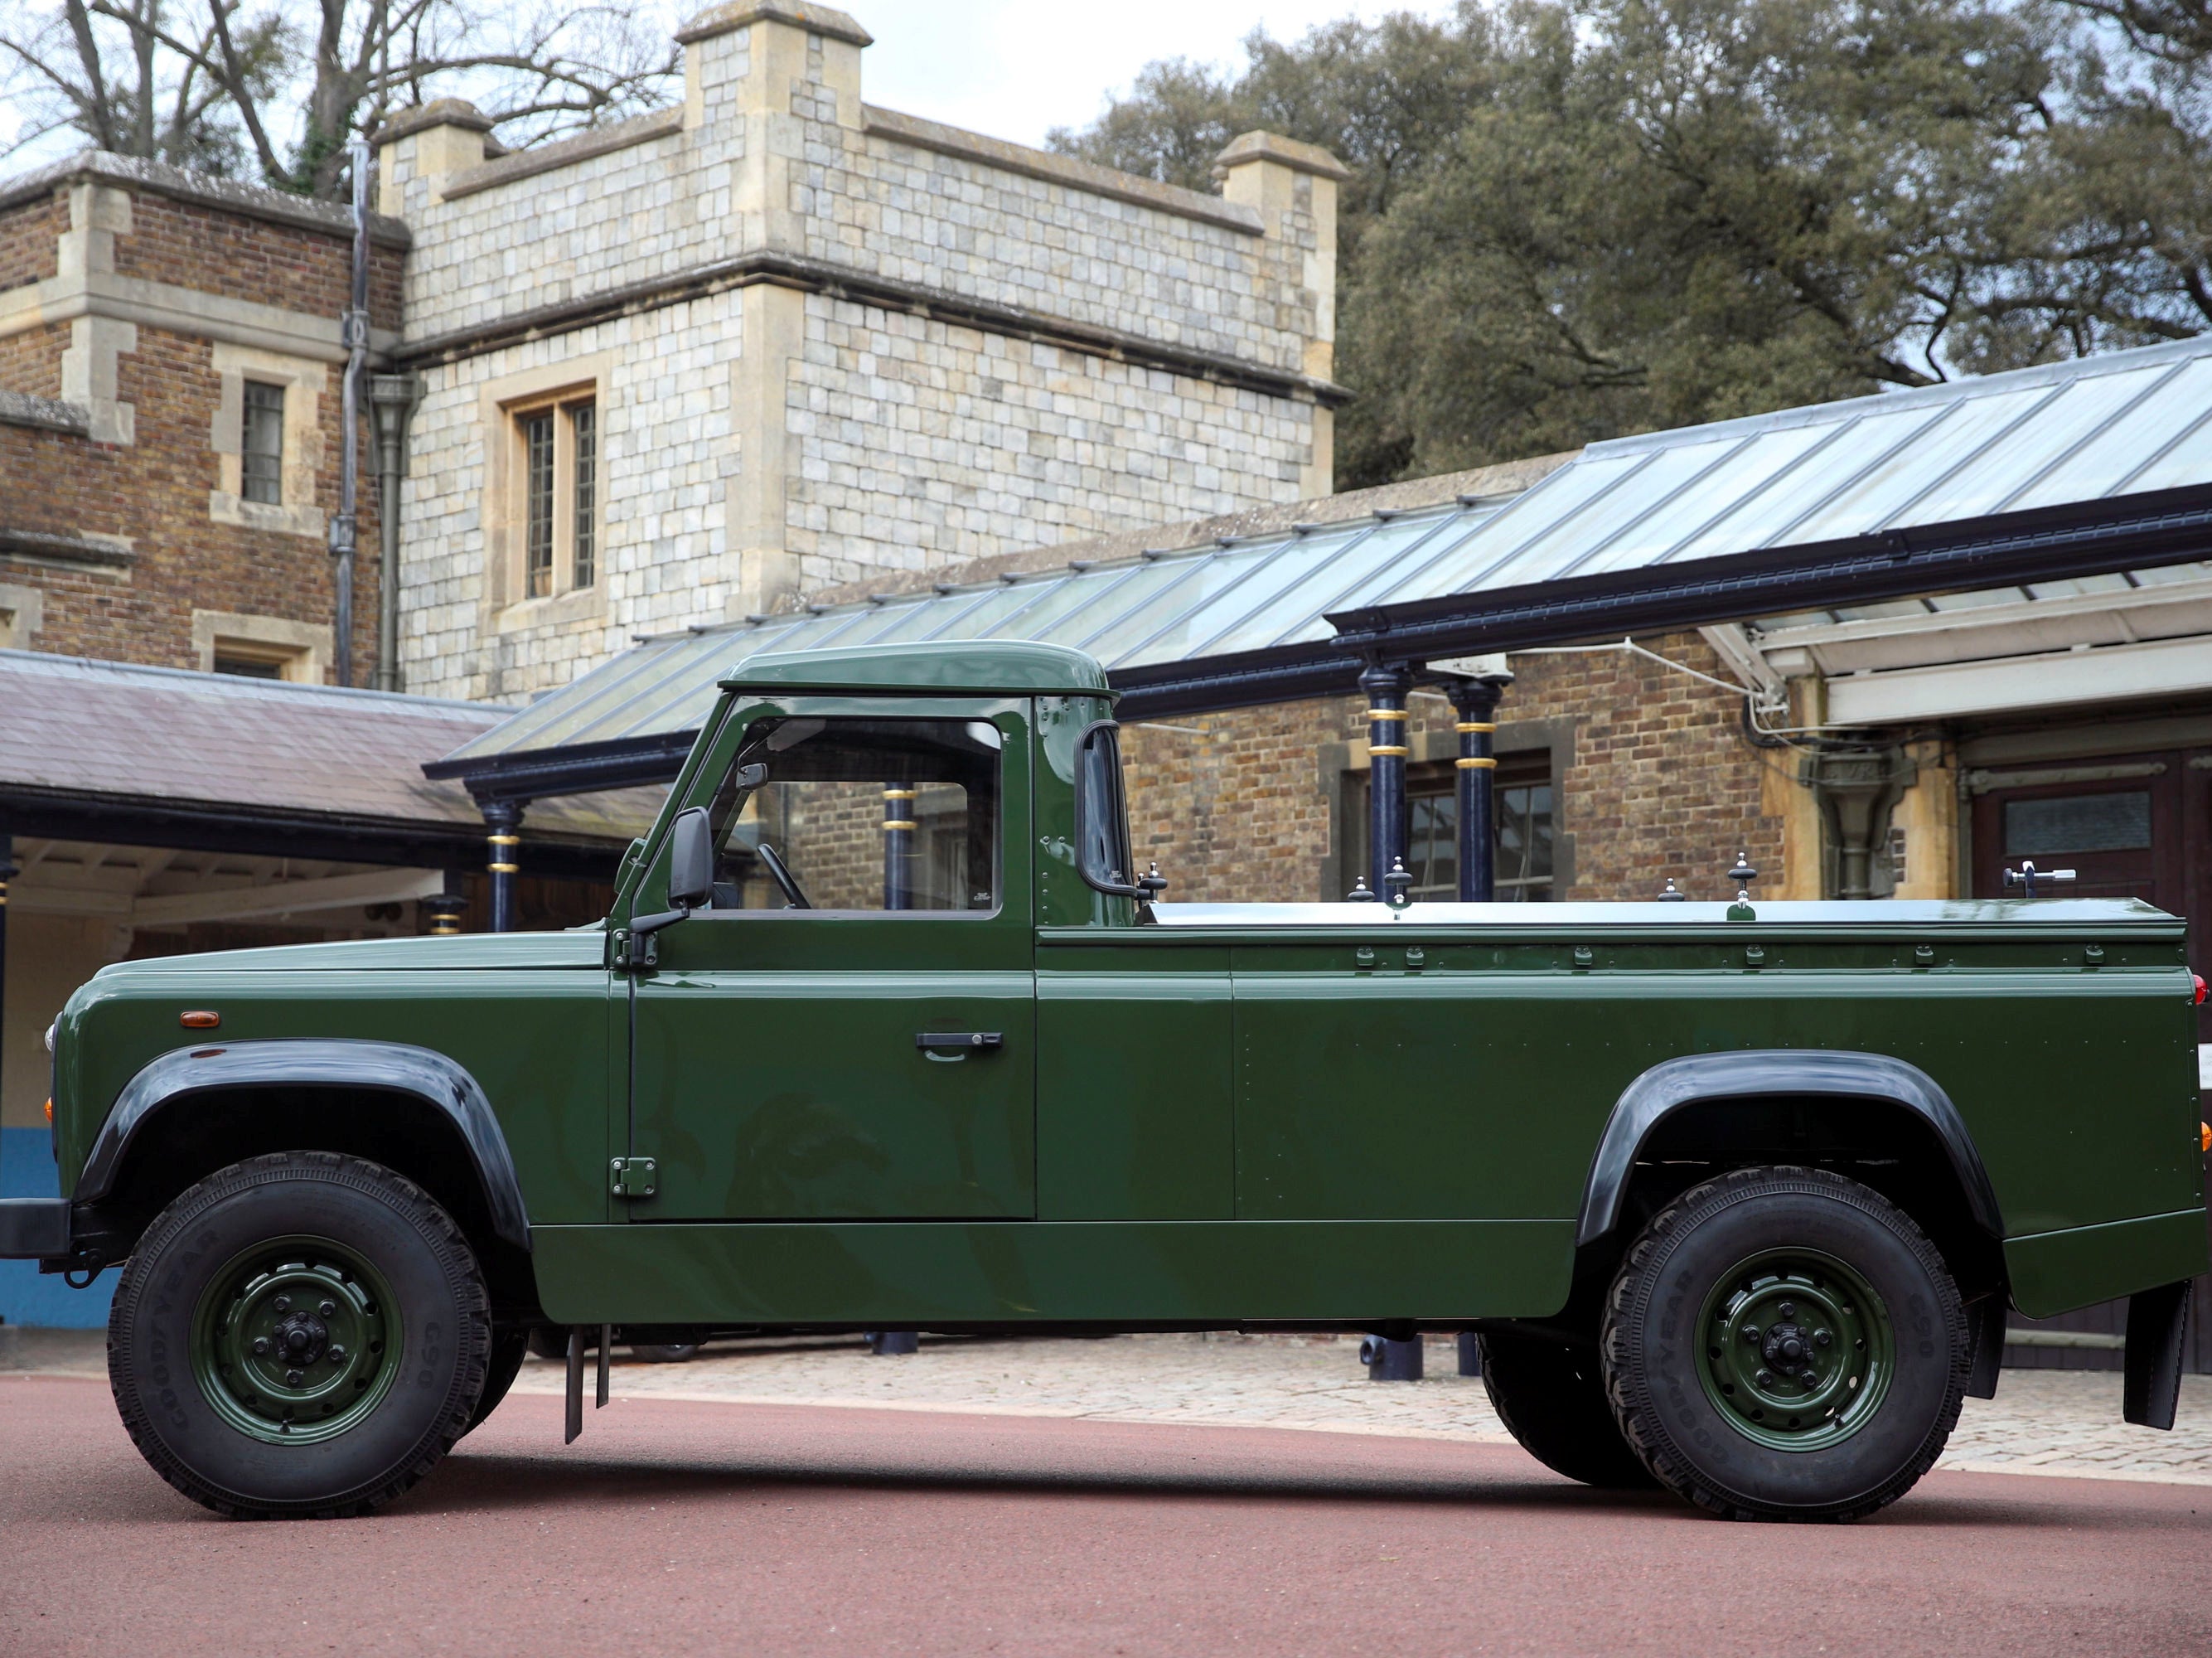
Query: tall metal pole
point(392, 400)
point(353, 332)
point(1386, 685)
point(502, 819)
point(1476, 699)
point(898, 847)
point(8, 873)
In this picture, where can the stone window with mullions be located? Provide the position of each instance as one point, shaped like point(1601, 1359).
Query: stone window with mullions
point(558, 473)
point(261, 445)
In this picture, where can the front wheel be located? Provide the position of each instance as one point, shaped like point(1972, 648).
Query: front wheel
point(298, 1335)
point(1785, 1343)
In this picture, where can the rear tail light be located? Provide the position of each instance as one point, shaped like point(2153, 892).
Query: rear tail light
point(2198, 980)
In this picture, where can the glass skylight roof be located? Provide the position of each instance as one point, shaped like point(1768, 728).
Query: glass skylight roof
point(2067, 432)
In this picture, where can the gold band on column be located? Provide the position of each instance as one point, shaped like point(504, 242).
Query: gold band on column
point(1474, 725)
point(891, 824)
point(1386, 713)
point(1386, 748)
point(1474, 763)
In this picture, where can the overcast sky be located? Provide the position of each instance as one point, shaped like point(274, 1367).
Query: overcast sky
point(1014, 69)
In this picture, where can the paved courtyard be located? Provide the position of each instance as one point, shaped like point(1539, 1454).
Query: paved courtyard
point(2052, 1422)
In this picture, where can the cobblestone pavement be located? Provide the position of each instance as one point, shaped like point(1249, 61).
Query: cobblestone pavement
point(2051, 1421)
point(2055, 1422)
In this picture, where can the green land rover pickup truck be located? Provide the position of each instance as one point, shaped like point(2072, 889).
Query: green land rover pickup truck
point(882, 1034)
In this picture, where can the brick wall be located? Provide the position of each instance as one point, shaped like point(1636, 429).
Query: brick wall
point(151, 496)
point(226, 253)
point(1662, 783)
point(29, 235)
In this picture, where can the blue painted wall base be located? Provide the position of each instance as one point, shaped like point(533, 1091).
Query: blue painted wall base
point(26, 1294)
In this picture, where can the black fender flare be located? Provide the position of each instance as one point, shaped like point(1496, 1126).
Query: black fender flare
point(337, 1062)
point(1754, 1073)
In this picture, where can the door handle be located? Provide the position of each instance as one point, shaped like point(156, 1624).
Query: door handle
point(964, 1041)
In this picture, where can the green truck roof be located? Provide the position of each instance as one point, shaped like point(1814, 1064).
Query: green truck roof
point(981, 668)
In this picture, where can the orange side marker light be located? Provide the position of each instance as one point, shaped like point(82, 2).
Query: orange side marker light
point(2203, 1129)
point(50, 1111)
point(199, 1020)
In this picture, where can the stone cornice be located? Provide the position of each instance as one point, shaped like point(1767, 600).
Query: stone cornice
point(817, 275)
point(225, 195)
point(36, 546)
point(800, 14)
point(1065, 170)
point(45, 414)
point(1288, 152)
point(545, 158)
point(439, 111)
point(187, 311)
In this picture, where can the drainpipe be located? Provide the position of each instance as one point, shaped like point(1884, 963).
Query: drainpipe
point(1476, 699)
point(353, 332)
point(1857, 789)
point(392, 400)
point(1386, 685)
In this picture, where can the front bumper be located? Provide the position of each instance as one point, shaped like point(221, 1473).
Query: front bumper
point(35, 1229)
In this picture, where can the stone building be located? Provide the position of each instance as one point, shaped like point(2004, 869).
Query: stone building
point(170, 363)
point(700, 363)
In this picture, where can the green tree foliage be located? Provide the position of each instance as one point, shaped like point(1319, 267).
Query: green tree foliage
point(1572, 219)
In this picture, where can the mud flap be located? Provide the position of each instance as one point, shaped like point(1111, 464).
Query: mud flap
point(2157, 1321)
point(1986, 1336)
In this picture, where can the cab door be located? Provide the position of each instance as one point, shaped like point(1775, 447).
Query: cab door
point(849, 1031)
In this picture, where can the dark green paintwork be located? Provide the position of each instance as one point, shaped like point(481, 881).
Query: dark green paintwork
point(957, 667)
point(296, 1341)
point(1211, 1121)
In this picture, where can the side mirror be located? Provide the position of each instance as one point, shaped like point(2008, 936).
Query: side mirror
point(690, 859)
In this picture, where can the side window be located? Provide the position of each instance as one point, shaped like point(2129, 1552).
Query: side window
point(845, 816)
point(1102, 813)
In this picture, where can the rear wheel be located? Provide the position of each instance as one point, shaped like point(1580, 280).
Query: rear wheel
point(298, 1335)
point(1551, 1397)
point(1785, 1343)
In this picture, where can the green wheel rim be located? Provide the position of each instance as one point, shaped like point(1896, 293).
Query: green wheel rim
point(1798, 1350)
point(296, 1340)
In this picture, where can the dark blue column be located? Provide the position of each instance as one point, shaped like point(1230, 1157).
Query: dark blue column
point(502, 824)
point(8, 873)
point(898, 846)
point(1386, 685)
point(1476, 700)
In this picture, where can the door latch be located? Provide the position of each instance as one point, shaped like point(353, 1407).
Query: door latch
point(633, 1177)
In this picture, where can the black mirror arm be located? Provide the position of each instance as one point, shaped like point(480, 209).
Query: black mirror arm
point(645, 926)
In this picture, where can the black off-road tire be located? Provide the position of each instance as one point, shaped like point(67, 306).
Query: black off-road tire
point(441, 1323)
point(1551, 1397)
point(510, 1345)
point(1655, 1348)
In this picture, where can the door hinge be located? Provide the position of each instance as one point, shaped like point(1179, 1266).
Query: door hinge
point(631, 954)
point(633, 1177)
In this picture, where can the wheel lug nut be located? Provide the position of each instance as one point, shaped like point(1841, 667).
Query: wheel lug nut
point(1764, 1380)
point(338, 1354)
point(1822, 1338)
point(1788, 1309)
point(1751, 1333)
point(293, 1378)
point(283, 1303)
point(261, 1347)
point(328, 1309)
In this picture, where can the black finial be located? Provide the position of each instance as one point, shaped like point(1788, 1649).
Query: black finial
point(1671, 893)
point(1361, 893)
point(1399, 880)
point(1152, 882)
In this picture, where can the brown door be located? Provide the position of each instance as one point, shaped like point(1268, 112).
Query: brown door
point(2133, 825)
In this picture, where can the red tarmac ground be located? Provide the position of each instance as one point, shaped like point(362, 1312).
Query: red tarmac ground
point(691, 1529)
